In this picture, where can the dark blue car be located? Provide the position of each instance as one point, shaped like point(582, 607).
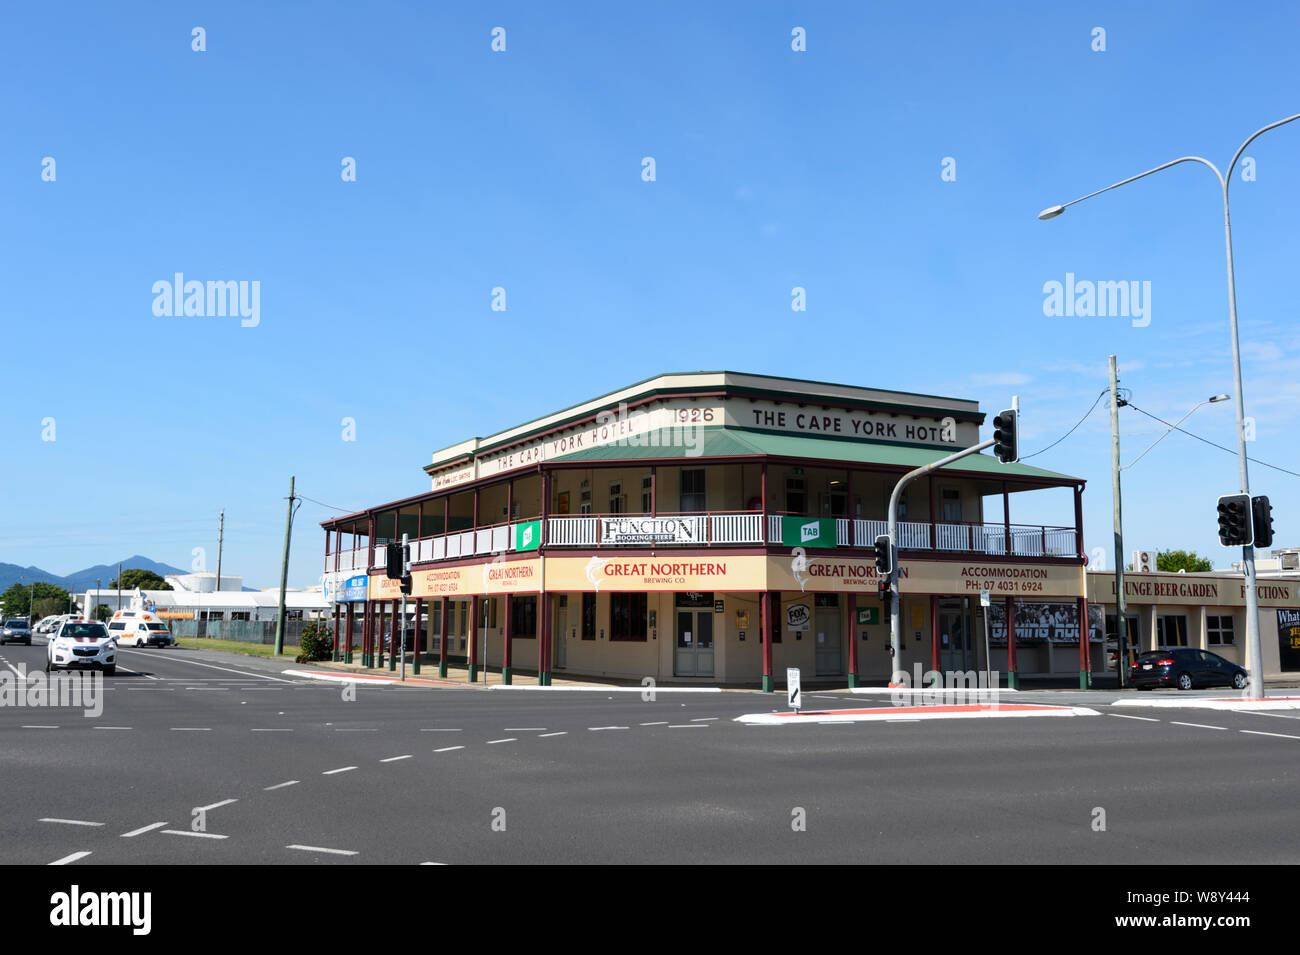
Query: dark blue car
point(1186, 669)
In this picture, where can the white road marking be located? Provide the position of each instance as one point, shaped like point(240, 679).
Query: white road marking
point(38, 727)
point(524, 729)
point(73, 822)
point(337, 852)
point(70, 859)
point(218, 805)
point(660, 723)
point(560, 733)
point(1281, 716)
point(192, 729)
point(356, 729)
point(143, 829)
point(196, 835)
point(341, 769)
point(703, 719)
point(508, 739)
point(1125, 716)
point(1199, 726)
point(598, 728)
point(433, 863)
point(262, 729)
point(441, 730)
point(292, 782)
point(393, 759)
point(112, 727)
point(213, 666)
point(1262, 733)
point(686, 726)
point(887, 721)
point(448, 749)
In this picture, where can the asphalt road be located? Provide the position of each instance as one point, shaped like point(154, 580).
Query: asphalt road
point(289, 768)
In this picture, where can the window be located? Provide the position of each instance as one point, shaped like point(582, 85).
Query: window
point(796, 495)
point(236, 615)
point(589, 616)
point(647, 495)
point(774, 625)
point(692, 490)
point(523, 617)
point(951, 505)
point(627, 617)
point(616, 497)
point(1218, 631)
point(584, 499)
point(1171, 630)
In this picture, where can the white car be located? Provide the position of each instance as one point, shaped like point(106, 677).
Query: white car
point(81, 645)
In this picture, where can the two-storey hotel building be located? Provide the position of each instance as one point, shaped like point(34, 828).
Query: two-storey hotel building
point(717, 527)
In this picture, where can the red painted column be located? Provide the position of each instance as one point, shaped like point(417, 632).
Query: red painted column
point(1085, 648)
point(1078, 521)
point(377, 632)
point(853, 629)
point(934, 633)
point(367, 631)
point(415, 650)
point(443, 610)
point(1011, 643)
point(473, 635)
point(766, 626)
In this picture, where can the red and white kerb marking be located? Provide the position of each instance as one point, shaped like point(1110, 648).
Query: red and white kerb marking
point(880, 714)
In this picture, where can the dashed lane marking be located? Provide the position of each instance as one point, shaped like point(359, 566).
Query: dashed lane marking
point(292, 782)
point(218, 805)
point(524, 729)
point(1262, 733)
point(341, 769)
point(268, 729)
point(1145, 719)
point(660, 723)
point(193, 834)
point(560, 733)
point(38, 727)
point(393, 759)
point(67, 860)
point(595, 729)
point(142, 830)
point(687, 726)
point(508, 739)
point(448, 749)
point(1199, 726)
point(72, 822)
point(112, 727)
point(703, 719)
point(336, 852)
point(441, 729)
point(191, 729)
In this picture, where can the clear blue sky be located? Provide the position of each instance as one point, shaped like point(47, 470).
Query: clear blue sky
point(522, 169)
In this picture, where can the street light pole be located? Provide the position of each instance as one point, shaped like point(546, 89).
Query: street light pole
point(1121, 602)
point(1254, 650)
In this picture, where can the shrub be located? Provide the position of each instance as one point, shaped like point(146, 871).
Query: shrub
point(317, 643)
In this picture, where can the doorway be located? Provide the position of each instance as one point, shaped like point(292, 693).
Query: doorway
point(693, 653)
point(561, 630)
point(957, 649)
point(828, 659)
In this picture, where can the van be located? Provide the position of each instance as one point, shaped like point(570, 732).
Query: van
point(139, 628)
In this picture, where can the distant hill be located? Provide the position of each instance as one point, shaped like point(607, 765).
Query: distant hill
point(81, 580)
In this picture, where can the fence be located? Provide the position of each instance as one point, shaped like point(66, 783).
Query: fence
point(242, 631)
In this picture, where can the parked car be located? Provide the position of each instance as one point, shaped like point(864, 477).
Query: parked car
point(1186, 669)
point(16, 631)
point(81, 645)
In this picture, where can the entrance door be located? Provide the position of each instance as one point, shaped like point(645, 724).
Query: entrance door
point(956, 644)
point(694, 652)
point(828, 660)
point(561, 630)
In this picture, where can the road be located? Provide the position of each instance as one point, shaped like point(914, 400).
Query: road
point(289, 770)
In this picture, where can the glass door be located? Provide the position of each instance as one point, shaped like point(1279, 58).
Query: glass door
point(693, 651)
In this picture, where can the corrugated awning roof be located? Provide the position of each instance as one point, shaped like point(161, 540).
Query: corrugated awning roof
point(674, 443)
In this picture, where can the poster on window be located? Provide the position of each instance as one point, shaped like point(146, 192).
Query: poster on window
point(1288, 640)
point(1044, 622)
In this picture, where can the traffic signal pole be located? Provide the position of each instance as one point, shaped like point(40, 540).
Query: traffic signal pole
point(895, 620)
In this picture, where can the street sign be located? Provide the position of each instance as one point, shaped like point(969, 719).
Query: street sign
point(984, 598)
point(792, 688)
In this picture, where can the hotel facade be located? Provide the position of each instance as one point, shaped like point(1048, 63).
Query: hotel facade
point(717, 527)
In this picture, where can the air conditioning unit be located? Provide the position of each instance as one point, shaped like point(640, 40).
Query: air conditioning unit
point(1144, 561)
point(1291, 561)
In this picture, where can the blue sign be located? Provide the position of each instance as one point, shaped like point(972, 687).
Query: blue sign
point(355, 589)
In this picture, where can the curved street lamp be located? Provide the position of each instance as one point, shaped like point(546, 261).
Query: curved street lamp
point(1208, 401)
point(1254, 654)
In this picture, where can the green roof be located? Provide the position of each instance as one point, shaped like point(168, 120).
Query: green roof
point(669, 443)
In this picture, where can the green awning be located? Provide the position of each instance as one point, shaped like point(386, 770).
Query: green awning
point(682, 443)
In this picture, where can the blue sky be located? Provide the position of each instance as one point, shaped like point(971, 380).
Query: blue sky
point(522, 169)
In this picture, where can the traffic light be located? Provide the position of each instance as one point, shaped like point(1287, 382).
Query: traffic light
point(882, 590)
point(1261, 513)
point(1007, 443)
point(1234, 520)
point(884, 562)
point(395, 561)
point(406, 585)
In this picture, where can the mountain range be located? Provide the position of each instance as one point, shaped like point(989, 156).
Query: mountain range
point(81, 580)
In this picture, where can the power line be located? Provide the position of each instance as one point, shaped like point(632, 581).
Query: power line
point(1209, 442)
point(1071, 431)
point(343, 510)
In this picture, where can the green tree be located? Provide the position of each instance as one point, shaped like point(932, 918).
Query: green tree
point(23, 600)
point(103, 612)
point(1172, 561)
point(138, 577)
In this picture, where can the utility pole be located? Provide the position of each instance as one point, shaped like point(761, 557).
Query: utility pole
point(1121, 605)
point(119, 586)
point(284, 573)
point(221, 532)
